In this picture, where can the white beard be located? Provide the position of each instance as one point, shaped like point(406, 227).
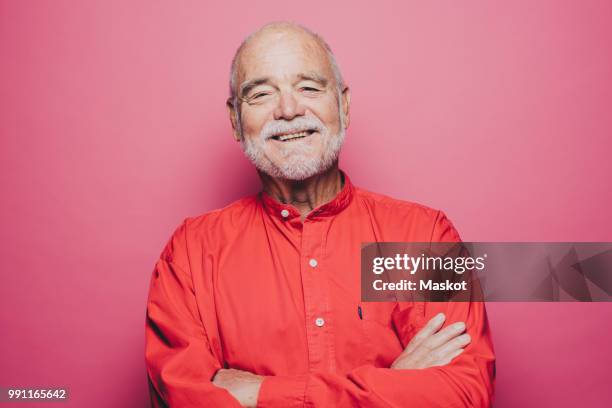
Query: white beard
point(298, 162)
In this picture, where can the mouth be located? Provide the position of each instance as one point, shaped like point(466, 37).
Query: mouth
point(286, 137)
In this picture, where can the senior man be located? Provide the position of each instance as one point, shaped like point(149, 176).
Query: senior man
point(258, 303)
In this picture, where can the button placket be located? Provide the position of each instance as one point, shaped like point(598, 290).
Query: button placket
point(314, 297)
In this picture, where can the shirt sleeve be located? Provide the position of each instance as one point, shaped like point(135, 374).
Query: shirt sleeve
point(468, 381)
point(179, 360)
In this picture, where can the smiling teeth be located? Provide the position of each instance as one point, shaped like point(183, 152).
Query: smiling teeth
point(292, 136)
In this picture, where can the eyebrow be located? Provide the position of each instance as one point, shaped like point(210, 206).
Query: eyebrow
point(314, 77)
point(246, 86)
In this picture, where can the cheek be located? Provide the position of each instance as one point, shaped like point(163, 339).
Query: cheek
point(327, 111)
point(252, 121)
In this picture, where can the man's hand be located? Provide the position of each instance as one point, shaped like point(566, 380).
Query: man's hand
point(243, 385)
point(432, 348)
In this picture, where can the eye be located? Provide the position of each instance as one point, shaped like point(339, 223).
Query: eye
point(309, 89)
point(259, 95)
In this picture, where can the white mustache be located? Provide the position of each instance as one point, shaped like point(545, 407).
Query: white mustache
point(300, 124)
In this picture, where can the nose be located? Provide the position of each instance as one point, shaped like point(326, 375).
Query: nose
point(288, 107)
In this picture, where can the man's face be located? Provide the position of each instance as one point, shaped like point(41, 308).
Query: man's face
point(291, 111)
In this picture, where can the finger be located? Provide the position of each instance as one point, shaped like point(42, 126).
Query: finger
point(403, 365)
point(432, 326)
point(449, 358)
point(444, 335)
point(397, 363)
point(451, 346)
point(220, 372)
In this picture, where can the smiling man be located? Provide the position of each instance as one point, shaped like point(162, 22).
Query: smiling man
point(258, 303)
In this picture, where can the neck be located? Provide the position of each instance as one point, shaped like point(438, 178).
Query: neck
point(307, 194)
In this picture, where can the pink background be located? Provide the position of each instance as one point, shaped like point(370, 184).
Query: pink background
point(114, 129)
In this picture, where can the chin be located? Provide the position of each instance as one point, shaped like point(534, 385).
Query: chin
point(299, 169)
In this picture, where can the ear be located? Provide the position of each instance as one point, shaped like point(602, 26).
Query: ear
point(346, 104)
point(233, 118)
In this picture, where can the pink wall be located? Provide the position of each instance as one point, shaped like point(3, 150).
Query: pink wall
point(114, 129)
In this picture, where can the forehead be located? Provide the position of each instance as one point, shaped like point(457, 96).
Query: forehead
point(282, 55)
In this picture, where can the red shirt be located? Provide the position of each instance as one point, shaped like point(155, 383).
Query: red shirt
point(252, 287)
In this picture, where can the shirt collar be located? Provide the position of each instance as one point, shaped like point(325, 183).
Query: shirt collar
point(333, 207)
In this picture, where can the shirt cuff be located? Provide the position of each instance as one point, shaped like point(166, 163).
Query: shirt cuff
point(282, 391)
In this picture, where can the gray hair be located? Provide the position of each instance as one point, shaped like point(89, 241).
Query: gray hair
point(234, 68)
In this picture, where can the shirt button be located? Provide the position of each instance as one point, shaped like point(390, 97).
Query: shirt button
point(320, 321)
point(312, 262)
point(285, 213)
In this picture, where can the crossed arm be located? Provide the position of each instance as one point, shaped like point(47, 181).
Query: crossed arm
point(444, 364)
point(432, 346)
